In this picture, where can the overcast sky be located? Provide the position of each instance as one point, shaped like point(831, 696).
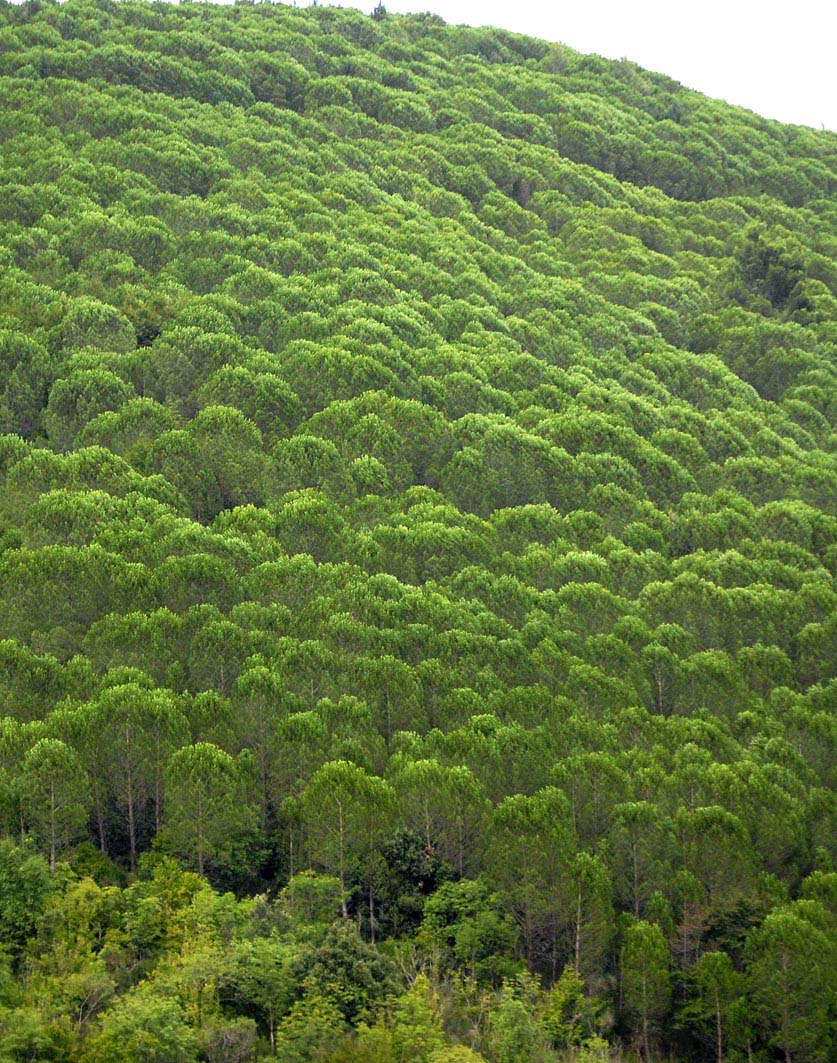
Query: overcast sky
point(778, 59)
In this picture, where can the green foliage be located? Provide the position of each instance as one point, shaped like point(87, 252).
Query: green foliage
point(205, 815)
point(347, 972)
point(25, 884)
point(645, 982)
point(142, 1026)
point(417, 514)
point(790, 974)
point(54, 792)
point(465, 928)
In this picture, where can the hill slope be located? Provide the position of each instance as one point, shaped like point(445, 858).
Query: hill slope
point(418, 506)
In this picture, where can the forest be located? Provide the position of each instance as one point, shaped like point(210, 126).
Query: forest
point(418, 549)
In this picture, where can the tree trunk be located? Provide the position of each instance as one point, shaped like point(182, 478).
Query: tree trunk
point(460, 849)
point(646, 1048)
point(52, 845)
point(200, 844)
point(554, 952)
point(341, 832)
point(636, 879)
point(132, 832)
point(578, 933)
point(785, 1012)
point(158, 804)
point(100, 826)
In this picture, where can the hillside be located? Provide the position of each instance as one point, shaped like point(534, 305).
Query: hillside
point(418, 549)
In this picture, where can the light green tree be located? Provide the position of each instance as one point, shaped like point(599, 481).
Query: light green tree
point(646, 989)
point(55, 795)
point(715, 1002)
point(207, 809)
point(345, 812)
point(792, 979)
point(143, 1027)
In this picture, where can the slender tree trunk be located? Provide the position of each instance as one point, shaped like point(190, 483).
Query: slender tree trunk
point(785, 1012)
point(100, 826)
point(645, 1045)
point(158, 804)
point(52, 845)
point(554, 953)
point(636, 879)
point(371, 916)
point(718, 1027)
point(578, 933)
point(390, 727)
point(265, 802)
point(460, 849)
point(341, 831)
point(200, 844)
point(132, 831)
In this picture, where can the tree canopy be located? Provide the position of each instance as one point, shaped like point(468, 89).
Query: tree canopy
point(418, 545)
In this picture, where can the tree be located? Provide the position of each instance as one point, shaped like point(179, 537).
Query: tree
point(346, 812)
point(259, 701)
point(262, 397)
point(465, 927)
point(227, 1041)
point(593, 915)
point(313, 1024)
point(410, 1029)
point(207, 812)
point(259, 975)
point(76, 400)
point(535, 833)
point(513, 1034)
point(717, 996)
point(638, 848)
point(55, 794)
point(790, 975)
point(89, 323)
point(717, 851)
point(594, 782)
point(73, 959)
point(141, 726)
point(569, 1017)
point(305, 461)
point(231, 447)
point(25, 885)
point(646, 991)
point(348, 971)
point(143, 1027)
point(447, 806)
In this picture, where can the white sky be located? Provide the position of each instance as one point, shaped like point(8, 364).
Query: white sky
point(778, 59)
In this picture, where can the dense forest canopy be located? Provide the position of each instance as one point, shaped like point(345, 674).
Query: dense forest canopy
point(418, 540)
